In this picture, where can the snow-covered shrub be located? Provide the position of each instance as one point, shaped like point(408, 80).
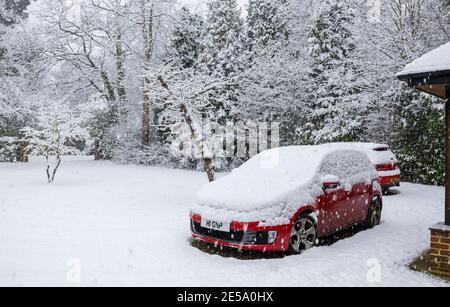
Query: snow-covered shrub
point(420, 139)
point(155, 154)
point(59, 132)
point(8, 149)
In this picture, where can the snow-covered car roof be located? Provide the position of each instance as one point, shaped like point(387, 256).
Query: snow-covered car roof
point(434, 61)
point(281, 179)
point(361, 145)
point(377, 153)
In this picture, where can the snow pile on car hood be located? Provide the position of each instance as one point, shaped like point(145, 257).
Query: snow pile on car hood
point(270, 187)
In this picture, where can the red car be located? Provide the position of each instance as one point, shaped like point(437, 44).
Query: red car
point(285, 199)
point(386, 164)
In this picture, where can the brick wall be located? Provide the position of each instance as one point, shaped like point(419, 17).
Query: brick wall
point(440, 252)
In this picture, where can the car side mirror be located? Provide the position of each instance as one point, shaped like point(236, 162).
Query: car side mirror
point(330, 184)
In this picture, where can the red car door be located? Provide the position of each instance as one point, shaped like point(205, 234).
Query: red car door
point(360, 201)
point(347, 208)
point(331, 206)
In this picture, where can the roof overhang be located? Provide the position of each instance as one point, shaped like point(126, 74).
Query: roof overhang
point(435, 83)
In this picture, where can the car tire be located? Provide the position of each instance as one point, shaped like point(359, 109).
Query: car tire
point(303, 234)
point(374, 213)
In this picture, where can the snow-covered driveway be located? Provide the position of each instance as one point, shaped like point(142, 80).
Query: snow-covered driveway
point(128, 225)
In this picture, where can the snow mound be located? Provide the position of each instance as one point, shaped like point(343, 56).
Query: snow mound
point(434, 61)
point(273, 185)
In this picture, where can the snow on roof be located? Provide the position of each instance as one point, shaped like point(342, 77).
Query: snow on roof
point(434, 61)
point(281, 179)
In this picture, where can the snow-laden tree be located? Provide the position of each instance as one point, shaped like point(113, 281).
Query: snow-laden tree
point(410, 122)
point(187, 38)
point(58, 131)
point(88, 36)
point(12, 10)
point(109, 44)
point(21, 62)
point(155, 17)
point(267, 22)
point(222, 53)
point(419, 136)
point(274, 84)
point(273, 92)
point(185, 95)
point(335, 78)
point(331, 78)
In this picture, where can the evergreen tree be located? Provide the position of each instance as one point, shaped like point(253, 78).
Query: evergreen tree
point(15, 63)
point(222, 53)
point(335, 82)
point(266, 23)
point(187, 38)
point(419, 136)
point(11, 10)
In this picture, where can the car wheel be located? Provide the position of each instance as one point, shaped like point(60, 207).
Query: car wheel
point(303, 234)
point(374, 214)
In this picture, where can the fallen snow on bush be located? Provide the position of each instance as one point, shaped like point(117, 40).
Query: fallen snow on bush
point(129, 226)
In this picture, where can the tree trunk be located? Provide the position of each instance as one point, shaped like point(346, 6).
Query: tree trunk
point(120, 64)
point(147, 34)
point(58, 163)
point(97, 151)
point(22, 152)
point(207, 160)
point(146, 120)
point(209, 169)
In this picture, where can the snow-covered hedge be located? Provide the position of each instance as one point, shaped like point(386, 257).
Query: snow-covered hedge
point(419, 142)
point(8, 149)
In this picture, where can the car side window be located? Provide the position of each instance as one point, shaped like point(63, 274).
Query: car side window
point(344, 164)
point(334, 164)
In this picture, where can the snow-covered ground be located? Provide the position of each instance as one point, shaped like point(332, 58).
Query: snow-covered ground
point(128, 226)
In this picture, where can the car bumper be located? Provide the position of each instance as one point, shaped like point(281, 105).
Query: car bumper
point(390, 181)
point(239, 239)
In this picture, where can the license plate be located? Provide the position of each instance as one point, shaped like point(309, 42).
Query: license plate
point(215, 225)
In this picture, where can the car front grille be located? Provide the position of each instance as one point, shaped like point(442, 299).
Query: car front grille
point(238, 237)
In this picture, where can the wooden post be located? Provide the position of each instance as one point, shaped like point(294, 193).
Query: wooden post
point(447, 159)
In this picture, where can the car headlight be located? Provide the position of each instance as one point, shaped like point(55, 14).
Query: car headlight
point(272, 237)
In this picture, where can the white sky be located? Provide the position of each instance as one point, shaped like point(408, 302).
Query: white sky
point(199, 5)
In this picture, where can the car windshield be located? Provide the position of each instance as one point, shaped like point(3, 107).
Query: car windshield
point(283, 166)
